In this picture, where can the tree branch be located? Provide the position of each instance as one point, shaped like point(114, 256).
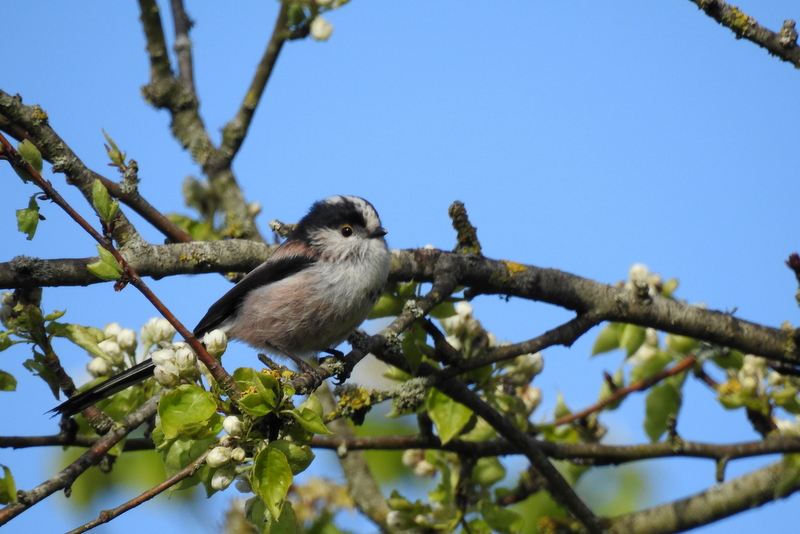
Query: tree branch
point(108, 515)
point(782, 44)
point(235, 131)
point(722, 500)
point(64, 479)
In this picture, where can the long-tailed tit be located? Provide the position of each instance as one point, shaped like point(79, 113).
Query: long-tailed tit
point(308, 297)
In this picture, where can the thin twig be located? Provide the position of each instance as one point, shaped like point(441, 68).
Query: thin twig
point(183, 45)
point(640, 385)
point(108, 515)
point(65, 478)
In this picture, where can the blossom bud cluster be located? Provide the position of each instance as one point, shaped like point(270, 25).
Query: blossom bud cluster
point(227, 455)
point(173, 362)
point(752, 374)
point(6, 308)
point(465, 333)
point(118, 344)
point(415, 459)
point(155, 331)
point(640, 278)
point(646, 350)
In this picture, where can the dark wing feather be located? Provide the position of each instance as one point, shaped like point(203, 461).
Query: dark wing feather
point(267, 273)
point(116, 383)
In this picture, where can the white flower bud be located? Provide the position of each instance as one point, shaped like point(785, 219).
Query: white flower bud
point(454, 342)
point(531, 398)
point(412, 457)
point(216, 342)
point(167, 374)
point(7, 299)
point(787, 427)
point(639, 274)
point(148, 332)
point(98, 367)
point(321, 29)
point(233, 425)
point(127, 340)
point(491, 339)
point(530, 364)
point(222, 478)
point(6, 313)
point(111, 329)
point(749, 383)
point(429, 247)
point(164, 355)
point(651, 337)
point(163, 331)
point(464, 308)
point(186, 361)
point(396, 520)
point(424, 469)
point(238, 455)
point(112, 349)
point(218, 456)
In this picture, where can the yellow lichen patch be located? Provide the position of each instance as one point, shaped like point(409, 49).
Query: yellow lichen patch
point(356, 399)
point(740, 22)
point(39, 115)
point(513, 267)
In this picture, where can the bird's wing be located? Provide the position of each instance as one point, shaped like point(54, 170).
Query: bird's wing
point(271, 271)
point(116, 383)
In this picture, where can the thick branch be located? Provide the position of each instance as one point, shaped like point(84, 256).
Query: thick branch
point(722, 500)
point(782, 44)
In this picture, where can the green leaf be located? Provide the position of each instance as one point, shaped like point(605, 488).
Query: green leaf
point(790, 477)
point(663, 402)
point(732, 359)
point(443, 311)
point(309, 420)
point(8, 490)
point(285, 524)
point(631, 338)
point(501, 519)
point(488, 471)
point(106, 208)
point(449, 416)
point(270, 478)
point(180, 452)
point(5, 341)
point(85, 338)
point(298, 456)
point(116, 156)
point(185, 410)
point(28, 219)
point(261, 392)
point(608, 339)
point(681, 344)
point(479, 526)
point(107, 268)
point(31, 154)
point(54, 315)
point(7, 382)
point(669, 287)
point(388, 305)
point(651, 366)
point(39, 367)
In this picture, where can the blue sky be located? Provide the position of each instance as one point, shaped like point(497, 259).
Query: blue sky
point(581, 136)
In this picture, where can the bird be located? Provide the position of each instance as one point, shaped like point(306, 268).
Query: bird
point(315, 289)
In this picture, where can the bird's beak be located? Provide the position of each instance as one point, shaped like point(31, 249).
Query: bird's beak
point(380, 232)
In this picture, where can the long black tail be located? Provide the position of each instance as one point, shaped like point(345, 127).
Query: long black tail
point(124, 380)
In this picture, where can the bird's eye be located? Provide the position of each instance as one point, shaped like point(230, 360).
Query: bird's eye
point(347, 230)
